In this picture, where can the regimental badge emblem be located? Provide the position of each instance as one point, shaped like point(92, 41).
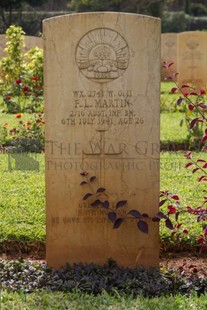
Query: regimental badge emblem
point(102, 55)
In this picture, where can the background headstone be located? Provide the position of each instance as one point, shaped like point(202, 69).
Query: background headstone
point(168, 51)
point(2, 45)
point(102, 88)
point(192, 58)
point(31, 41)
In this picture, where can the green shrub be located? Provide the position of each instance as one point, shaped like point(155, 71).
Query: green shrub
point(30, 21)
point(22, 75)
point(179, 22)
point(175, 22)
point(27, 136)
point(34, 66)
point(12, 66)
point(198, 9)
point(198, 23)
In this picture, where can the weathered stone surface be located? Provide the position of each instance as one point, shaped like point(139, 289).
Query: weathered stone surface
point(102, 84)
point(31, 41)
point(192, 58)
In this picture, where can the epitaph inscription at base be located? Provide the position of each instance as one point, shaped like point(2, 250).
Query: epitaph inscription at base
point(102, 77)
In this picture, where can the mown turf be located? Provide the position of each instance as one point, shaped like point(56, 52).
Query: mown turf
point(170, 129)
point(75, 301)
point(22, 201)
point(22, 197)
point(11, 119)
point(22, 193)
point(22, 219)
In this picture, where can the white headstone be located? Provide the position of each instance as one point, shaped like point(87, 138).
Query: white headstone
point(102, 88)
point(169, 51)
point(192, 58)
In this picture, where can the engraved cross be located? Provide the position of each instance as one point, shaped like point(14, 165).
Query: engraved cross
point(102, 153)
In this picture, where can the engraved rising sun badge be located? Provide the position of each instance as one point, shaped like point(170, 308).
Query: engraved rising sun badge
point(102, 55)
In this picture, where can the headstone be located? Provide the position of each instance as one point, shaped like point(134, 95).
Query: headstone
point(31, 41)
point(102, 79)
point(169, 51)
point(192, 58)
point(2, 45)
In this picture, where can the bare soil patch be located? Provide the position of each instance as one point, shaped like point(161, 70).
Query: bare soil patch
point(185, 262)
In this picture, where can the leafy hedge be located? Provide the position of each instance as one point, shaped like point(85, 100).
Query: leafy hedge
point(28, 277)
point(179, 22)
point(31, 22)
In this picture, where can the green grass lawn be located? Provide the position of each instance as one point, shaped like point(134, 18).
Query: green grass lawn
point(169, 122)
point(180, 181)
point(22, 219)
point(75, 301)
point(11, 120)
point(22, 204)
point(22, 193)
point(170, 129)
point(22, 201)
point(166, 87)
point(22, 216)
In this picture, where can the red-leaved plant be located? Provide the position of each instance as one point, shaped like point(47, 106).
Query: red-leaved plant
point(194, 102)
point(117, 213)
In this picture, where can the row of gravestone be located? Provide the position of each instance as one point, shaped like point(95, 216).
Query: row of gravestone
point(188, 51)
point(29, 43)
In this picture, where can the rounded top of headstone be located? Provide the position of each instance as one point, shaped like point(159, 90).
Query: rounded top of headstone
point(75, 15)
